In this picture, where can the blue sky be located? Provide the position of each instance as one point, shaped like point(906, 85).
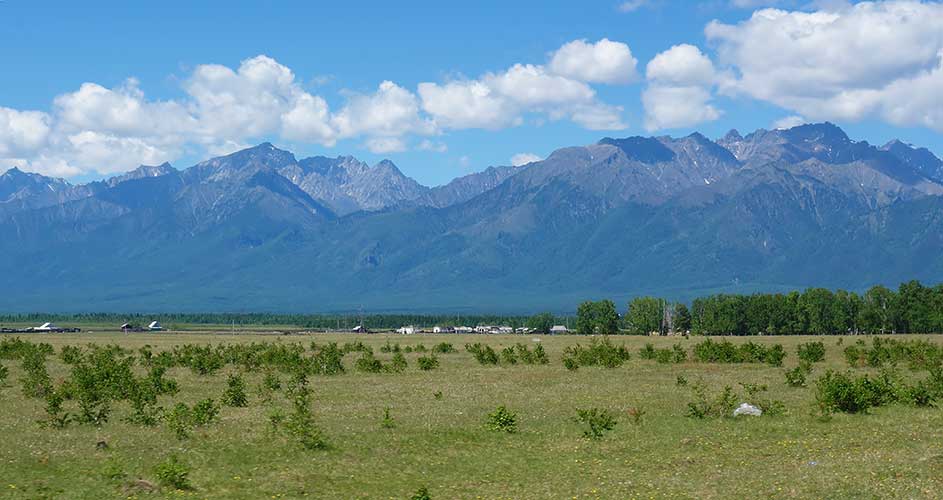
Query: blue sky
point(155, 97)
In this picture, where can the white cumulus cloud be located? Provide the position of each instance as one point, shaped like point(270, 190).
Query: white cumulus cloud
point(878, 59)
point(602, 62)
point(681, 80)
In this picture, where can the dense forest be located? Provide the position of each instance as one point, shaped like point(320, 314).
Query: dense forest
point(912, 308)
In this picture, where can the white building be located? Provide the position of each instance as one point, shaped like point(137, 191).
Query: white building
point(558, 329)
point(464, 329)
point(406, 330)
point(443, 329)
point(154, 326)
point(46, 327)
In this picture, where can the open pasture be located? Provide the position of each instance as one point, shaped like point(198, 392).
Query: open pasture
point(381, 430)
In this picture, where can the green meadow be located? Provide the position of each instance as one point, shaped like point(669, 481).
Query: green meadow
point(381, 430)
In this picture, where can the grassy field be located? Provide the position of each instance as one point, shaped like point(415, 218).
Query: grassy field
point(442, 443)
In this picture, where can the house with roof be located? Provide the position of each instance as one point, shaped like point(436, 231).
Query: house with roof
point(154, 326)
point(555, 329)
point(46, 328)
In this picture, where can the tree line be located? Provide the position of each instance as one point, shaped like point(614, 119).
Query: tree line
point(912, 308)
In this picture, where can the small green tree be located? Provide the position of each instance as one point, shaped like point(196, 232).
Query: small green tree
point(540, 323)
point(598, 317)
point(644, 315)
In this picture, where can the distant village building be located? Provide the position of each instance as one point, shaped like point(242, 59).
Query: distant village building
point(154, 326)
point(406, 330)
point(443, 329)
point(464, 329)
point(558, 329)
point(359, 329)
point(505, 329)
point(46, 328)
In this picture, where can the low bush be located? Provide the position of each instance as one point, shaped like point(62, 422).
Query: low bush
point(509, 356)
point(387, 422)
point(205, 412)
point(173, 473)
point(427, 363)
point(597, 422)
point(704, 406)
point(397, 364)
point(421, 494)
point(847, 393)
point(484, 354)
point(811, 352)
point(368, 363)
point(725, 351)
point(917, 354)
point(599, 353)
point(674, 354)
point(443, 348)
point(235, 393)
point(796, 376)
point(502, 420)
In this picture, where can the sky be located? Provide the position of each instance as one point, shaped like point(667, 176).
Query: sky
point(91, 89)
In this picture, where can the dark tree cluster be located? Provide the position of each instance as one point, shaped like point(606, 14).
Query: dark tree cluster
point(913, 308)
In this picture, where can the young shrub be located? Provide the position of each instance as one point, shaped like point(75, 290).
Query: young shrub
point(443, 348)
point(55, 416)
point(4, 373)
point(420, 348)
point(703, 406)
point(179, 420)
point(408, 349)
point(427, 363)
point(597, 422)
point(775, 355)
point(369, 364)
point(36, 381)
point(268, 386)
point(502, 420)
point(173, 473)
point(811, 352)
point(300, 423)
point(599, 353)
point(328, 360)
point(387, 422)
point(421, 494)
point(70, 355)
point(508, 356)
point(540, 355)
point(755, 396)
point(484, 354)
point(648, 352)
point(842, 392)
point(144, 409)
point(681, 381)
point(235, 393)
point(796, 376)
point(570, 364)
point(397, 364)
point(205, 412)
point(437, 395)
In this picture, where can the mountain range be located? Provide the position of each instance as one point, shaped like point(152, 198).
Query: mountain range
point(259, 230)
